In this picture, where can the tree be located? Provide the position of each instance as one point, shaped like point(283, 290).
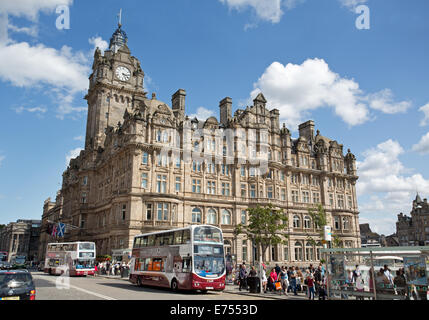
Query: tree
point(265, 227)
point(318, 215)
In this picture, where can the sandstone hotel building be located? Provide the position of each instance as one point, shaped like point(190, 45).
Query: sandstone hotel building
point(147, 167)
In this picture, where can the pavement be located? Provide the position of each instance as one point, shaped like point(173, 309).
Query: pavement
point(233, 289)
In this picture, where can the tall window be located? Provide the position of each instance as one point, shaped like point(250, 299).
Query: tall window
point(298, 251)
point(309, 252)
point(243, 217)
point(145, 158)
point(253, 191)
point(226, 217)
point(83, 199)
point(162, 212)
point(226, 189)
point(331, 199)
point(296, 222)
point(307, 222)
point(225, 169)
point(295, 195)
point(211, 187)
point(243, 191)
point(283, 194)
point(196, 215)
point(196, 186)
point(85, 181)
point(124, 212)
point(340, 198)
point(162, 160)
point(196, 166)
point(270, 192)
point(305, 180)
point(178, 184)
point(346, 223)
point(211, 217)
point(161, 184)
point(306, 196)
point(337, 223)
point(149, 211)
point(244, 251)
point(211, 168)
point(316, 197)
point(144, 180)
point(350, 202)
point(243, 171)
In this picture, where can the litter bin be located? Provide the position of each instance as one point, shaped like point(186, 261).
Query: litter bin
point(254, 285)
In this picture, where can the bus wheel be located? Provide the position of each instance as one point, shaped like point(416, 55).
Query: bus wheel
point(174, 285)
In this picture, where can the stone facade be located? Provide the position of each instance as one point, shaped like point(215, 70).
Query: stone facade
point(414, 230)
point(21, 238)
point(148, 167)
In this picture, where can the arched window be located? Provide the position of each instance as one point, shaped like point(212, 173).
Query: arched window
point(158, 136)
point(346, 223)
point(211, 217)
point(196, 215)
point(227, 246)
point(226, 217)
point(296, 222)
point(309, 252)
point(298, 251)
point(319, 246)
point(243, 216)
point(307, 222)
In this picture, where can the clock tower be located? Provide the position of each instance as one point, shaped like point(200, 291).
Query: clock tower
point(116, 81)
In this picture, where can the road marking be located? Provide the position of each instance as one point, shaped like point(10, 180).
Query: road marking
point(81, 289)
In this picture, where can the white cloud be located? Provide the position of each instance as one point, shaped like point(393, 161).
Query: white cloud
point(423, 146)
point(39, 110)
point(202, 114)
point(98, 42)
point(267, 10)
point(383, 101)
point(385, 186)
point(296, 90)
point(2, 159)
point(425, 110)
point(72, 155)
point(352, 4)
point(30, 8)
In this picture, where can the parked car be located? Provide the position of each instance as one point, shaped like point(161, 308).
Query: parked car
point(17, 285)
point(5, 265)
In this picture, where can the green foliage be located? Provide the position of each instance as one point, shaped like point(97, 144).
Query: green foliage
point(318, 216)
point(265, 227)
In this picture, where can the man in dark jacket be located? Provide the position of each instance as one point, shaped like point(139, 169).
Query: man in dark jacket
point(243, 277)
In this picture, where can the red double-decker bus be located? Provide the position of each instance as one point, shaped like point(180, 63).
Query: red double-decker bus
point(191, 258)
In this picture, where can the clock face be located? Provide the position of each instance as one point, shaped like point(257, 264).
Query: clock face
point(123, 73)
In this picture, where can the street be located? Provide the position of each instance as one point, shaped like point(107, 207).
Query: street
point(99, 288)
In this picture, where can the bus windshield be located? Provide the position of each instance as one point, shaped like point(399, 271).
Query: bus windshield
point(208, 234)
point(85, 264)
point(209, 265)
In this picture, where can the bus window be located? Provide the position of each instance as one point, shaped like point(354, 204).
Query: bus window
point(186, 265)
point(151, 241)
point(178, 237)
point(159, 240)
point(144, 241)
point(186, 236)
point(168, 239)
point(146, 264)
point(157, 264)
point(86, 246)
point(137, 243)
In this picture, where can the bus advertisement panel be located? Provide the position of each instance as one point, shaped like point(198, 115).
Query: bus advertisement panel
point(191, 258)
point(74, 259)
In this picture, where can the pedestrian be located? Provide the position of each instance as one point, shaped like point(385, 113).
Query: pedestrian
point(242, 277)
point(264, 279)
point(310, 286)
point(293, 277)
point(284, 280)
point(278, 269)
point(95, 269)
point(318, 279)
point(299, 279)
point(273, 278)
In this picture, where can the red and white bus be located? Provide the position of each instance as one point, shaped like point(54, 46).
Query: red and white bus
point(191, 258)
point(3, 256)
point(74, 258)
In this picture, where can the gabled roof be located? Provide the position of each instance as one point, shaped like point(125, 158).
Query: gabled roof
point(260, 98)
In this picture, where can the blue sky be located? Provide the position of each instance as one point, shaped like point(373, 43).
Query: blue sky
point(365, 88)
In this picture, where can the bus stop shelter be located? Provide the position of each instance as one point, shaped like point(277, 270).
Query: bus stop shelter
point(389, 273)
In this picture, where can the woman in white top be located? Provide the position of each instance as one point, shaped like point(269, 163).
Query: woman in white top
point(264, 280)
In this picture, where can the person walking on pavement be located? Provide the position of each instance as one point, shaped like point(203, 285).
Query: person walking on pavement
point(293, 277)
point(243, 277)
point(284, 280)
point(310, 286)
